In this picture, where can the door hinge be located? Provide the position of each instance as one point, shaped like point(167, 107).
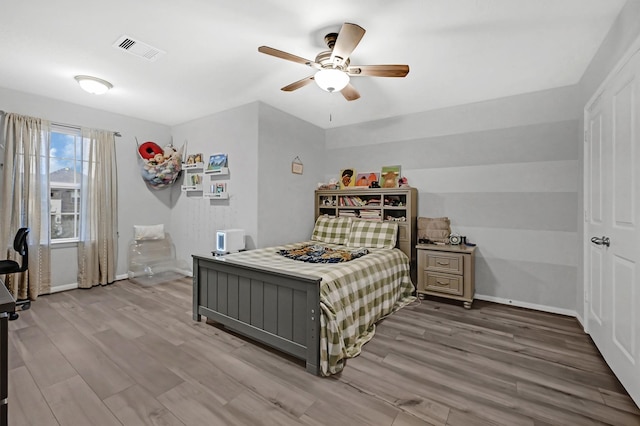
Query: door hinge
point(586, 296)
point(586, 216)
point(585, 136)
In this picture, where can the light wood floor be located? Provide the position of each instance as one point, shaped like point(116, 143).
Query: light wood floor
point(131, 355)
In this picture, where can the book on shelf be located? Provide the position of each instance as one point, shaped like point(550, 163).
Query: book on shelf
point(353, 201)
point(217, 162)
point(196, 179)
point(370, 215)
point(348, 213)
point(219, 188)
point(193, 159)
point(373, 202)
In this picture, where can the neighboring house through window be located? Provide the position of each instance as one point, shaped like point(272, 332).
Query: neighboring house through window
point(65, 177)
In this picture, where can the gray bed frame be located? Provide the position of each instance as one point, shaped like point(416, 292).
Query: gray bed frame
point(281, 310)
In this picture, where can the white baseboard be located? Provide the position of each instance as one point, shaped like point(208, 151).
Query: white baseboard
point(581, 321)
point(543, 308)
point(185, 272)
point(64, 287)
point(73, 286)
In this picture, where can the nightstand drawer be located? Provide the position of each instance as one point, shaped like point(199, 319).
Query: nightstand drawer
point(443, 262)
point(442, 283)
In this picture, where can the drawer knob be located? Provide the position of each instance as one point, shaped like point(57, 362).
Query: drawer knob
point(442, 263)
point(441, 282)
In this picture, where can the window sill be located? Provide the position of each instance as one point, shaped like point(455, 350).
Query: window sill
point(64, 244)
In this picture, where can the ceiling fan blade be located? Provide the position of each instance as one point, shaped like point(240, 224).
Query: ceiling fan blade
point(378, 70)
point(348, 38)
point(298, 84)
point(288, 56)
point(350, 93)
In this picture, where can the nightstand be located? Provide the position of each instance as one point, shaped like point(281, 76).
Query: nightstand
point(447, 271)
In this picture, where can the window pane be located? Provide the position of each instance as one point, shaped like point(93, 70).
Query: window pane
point(63, 146)
point(64, 174)
point(64, 226)
point(65, 168)
point(64, 200)
point(63, 153)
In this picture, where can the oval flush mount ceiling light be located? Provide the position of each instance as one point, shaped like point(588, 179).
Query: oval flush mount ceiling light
point(94, 85)
point(331, 79)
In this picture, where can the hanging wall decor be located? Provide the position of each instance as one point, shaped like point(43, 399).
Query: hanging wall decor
point(296, 166)
point(159, 167)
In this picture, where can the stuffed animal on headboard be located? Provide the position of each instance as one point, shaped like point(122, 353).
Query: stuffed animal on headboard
point(389, 180)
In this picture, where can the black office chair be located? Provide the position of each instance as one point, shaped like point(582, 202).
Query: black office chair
point(12, 267)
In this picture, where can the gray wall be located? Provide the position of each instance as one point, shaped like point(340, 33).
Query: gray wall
point(270, 203)
point(505, 171)
point(136, 203)
point(195, 220)
point(624, 32)
point(285, 200)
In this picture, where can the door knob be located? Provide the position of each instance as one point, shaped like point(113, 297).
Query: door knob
point(604, 241)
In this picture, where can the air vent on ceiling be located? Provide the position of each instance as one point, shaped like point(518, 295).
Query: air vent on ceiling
point(138, 48)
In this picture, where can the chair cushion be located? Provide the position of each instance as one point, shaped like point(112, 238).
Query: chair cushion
point(148, 232)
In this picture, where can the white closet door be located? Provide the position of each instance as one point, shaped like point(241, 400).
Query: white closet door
point(612, 205)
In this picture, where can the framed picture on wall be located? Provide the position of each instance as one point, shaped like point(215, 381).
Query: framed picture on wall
point(296, 166)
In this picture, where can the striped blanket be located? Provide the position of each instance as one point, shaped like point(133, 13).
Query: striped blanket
point(353, 295)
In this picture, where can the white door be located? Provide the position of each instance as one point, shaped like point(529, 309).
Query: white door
point(612, 227)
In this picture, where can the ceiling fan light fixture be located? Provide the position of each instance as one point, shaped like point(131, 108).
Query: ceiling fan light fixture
point(331, 79)
point(94, 85)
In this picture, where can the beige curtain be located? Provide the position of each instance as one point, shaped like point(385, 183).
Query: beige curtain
point(24, 201)
point(97, 248)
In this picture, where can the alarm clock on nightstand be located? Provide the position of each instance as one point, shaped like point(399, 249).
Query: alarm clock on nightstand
point(455, 239)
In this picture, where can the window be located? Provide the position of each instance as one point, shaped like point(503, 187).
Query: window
point(65, 177)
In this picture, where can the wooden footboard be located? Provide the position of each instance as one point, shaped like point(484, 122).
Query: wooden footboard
point(279, 309)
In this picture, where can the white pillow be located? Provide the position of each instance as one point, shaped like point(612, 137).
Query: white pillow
point(148, 232)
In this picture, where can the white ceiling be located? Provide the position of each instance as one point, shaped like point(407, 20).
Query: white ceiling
point(459, 51)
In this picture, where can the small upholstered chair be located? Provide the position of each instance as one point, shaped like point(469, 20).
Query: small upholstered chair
point(12, 267)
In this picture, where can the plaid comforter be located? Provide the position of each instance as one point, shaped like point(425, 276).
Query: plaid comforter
point(353, 295)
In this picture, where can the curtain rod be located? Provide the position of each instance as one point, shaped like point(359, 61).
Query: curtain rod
point(70, 126)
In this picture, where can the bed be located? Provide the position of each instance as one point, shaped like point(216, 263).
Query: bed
point(321, 313)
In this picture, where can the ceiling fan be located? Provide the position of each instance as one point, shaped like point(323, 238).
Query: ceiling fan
point(333, 66)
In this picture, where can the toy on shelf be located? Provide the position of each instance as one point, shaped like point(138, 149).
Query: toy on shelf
point(333, 184)
point(403, 182)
